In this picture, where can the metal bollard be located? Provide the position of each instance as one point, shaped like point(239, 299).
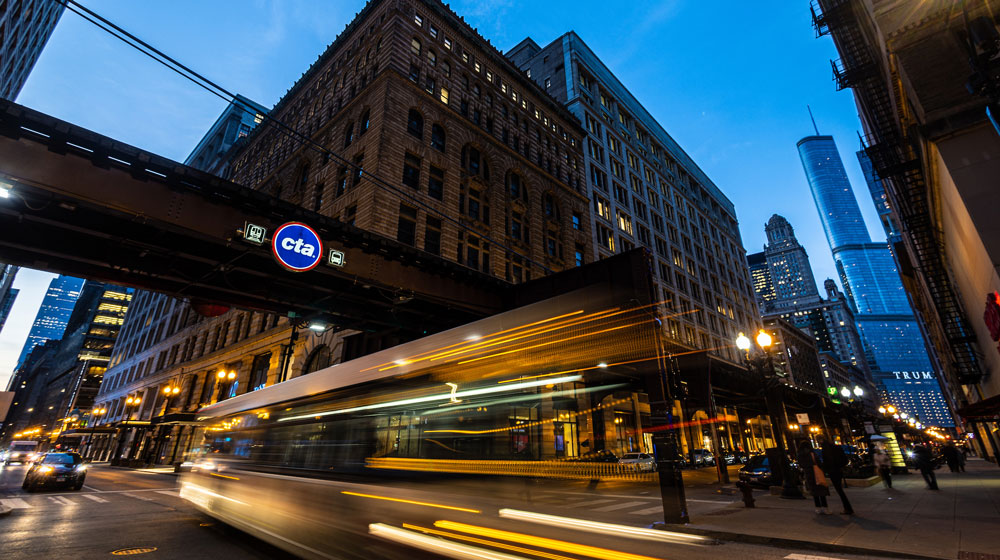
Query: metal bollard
point(747, 491)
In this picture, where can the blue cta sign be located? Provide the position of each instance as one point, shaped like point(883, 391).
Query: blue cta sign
point(297, 247)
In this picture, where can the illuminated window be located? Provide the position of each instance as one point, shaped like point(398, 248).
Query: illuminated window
point(419, 21)
point(444, 95)
point(415, 46)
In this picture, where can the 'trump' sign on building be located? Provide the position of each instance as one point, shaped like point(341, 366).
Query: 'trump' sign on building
point(297, 247)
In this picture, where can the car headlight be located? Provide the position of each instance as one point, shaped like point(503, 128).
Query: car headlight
point(81, 468)
point(46, 469)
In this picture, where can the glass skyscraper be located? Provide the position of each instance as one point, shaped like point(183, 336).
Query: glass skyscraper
point(53, 314)
point(894, 344)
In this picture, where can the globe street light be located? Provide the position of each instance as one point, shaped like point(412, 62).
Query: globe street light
point(845, 392)
point(858, 391)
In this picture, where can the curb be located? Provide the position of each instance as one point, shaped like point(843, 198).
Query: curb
point(4, 510)
point(780, 542)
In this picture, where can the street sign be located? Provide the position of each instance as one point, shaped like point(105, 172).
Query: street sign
point(802, 417)
point(337, 258)
point(297, 247)
point(253, 233)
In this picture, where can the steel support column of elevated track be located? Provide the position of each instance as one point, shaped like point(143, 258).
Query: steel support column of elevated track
point(86, 205)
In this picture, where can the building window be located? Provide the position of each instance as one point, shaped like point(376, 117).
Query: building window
point(447, 43)
point(446, 69)
point(549, 206)
point(516, 225)
point(624, 222)
point(415, 124)
point(516, 188)
point(433, 31)
point(414, 73)
point(432, 236)
point(364, 122)
point(258, 372)
point(406, 231)
point(474, 163)
point(415, 46)
point(419, 21)
point(578, 255)
point(432, 57)
point(411, 171)
point(437, 137)
point(474, 204)
point(577, 221)
point(548, 83)
point(444, 95)
point(318, 359)
point(435, 183)
point(348, 134)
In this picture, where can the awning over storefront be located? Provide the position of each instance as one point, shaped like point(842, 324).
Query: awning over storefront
point(176, 419)
point(987, 409)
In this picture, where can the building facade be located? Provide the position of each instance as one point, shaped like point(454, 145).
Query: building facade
point(8, 293)
point(25, 27)
point(789, 278)
point(55, 311)
point(644, 190)
point(235, 122)
point(892, 334)
point(796, 357)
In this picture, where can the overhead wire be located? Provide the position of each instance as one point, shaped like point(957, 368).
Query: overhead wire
point(224, 94)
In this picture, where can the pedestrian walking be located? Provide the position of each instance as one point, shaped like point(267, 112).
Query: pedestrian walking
point(815, 480)
point(834, 461)
point(961, 460)
point(951, 454)
point(884, 465)
point(925, 463)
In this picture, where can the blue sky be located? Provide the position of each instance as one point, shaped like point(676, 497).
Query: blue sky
point(729, 81)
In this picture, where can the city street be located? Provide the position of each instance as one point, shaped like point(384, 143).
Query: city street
point(128, 509)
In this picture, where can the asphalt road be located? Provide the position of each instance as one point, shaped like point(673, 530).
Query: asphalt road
point(122, 509)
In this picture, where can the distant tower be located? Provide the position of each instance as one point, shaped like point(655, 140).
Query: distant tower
point(892, 336)
point(53, 314)
point(788, 263)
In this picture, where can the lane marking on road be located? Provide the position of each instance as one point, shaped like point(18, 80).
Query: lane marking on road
point(647, 511)
point(92, 489)
point(614, 507)
point(809, 557)
point(61, 500)
point(97, 499)
point(591, 503)
point(596, 495)
point(15, 503)
point(118, 491)
point(138, 497)
point(174, 493)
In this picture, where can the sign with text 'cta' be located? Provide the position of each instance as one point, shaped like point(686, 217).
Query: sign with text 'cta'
point(297, 247)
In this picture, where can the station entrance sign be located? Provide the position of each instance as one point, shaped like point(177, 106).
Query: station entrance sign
point(297, 247)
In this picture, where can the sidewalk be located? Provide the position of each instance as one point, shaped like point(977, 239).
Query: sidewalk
point(962, 517)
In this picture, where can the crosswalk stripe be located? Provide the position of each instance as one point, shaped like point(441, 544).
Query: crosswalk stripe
point(614, 507)
point(15, 503)
point(173, 493)
point(591, 503)
point(61, 500)
point(97, 499)
point(138, 497)
point(647, 511)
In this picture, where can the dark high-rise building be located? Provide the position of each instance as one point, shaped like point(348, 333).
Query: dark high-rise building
point(8, 293)
point(25, 27)
point(645, 190)
point(760, 277)
point(235, 122)
point(788, 264)
point(894, 340)
point(50, 321)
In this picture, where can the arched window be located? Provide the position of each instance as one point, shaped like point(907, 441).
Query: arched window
point(365, 121)
point(474, 162)
point(516, 187)
point(319, 359)
point(415, 46)
point(348, 134)
point(437, 137)
point(549, 206)
point(415, 124)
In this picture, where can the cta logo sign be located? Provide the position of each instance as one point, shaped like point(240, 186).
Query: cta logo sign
point(297, 247)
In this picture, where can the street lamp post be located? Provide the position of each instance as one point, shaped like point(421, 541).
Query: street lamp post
point(93, 426)
point(761, 363)
point(130, 404)
point(225, 380)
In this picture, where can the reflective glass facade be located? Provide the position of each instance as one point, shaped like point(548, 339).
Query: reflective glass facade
point(53, 314)
point(835, 202)
point(870, 279)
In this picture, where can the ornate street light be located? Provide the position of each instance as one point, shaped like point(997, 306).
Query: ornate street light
point(845, 392)
point(762, 364)
point(858, 391)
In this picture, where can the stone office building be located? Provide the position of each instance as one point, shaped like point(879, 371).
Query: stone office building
point(417, 130)
point(646, 191)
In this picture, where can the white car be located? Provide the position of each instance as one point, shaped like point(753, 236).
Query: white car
point(645, 461)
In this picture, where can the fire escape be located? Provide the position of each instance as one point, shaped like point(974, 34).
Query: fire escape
point(897, 162)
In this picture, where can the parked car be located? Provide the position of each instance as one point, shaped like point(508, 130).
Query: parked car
point(757, 472)
point(735, 457)
point(645, 461)
point(56, 469)
point(702, 458)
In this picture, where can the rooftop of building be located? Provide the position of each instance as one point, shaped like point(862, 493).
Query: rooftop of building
point(635, 107)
